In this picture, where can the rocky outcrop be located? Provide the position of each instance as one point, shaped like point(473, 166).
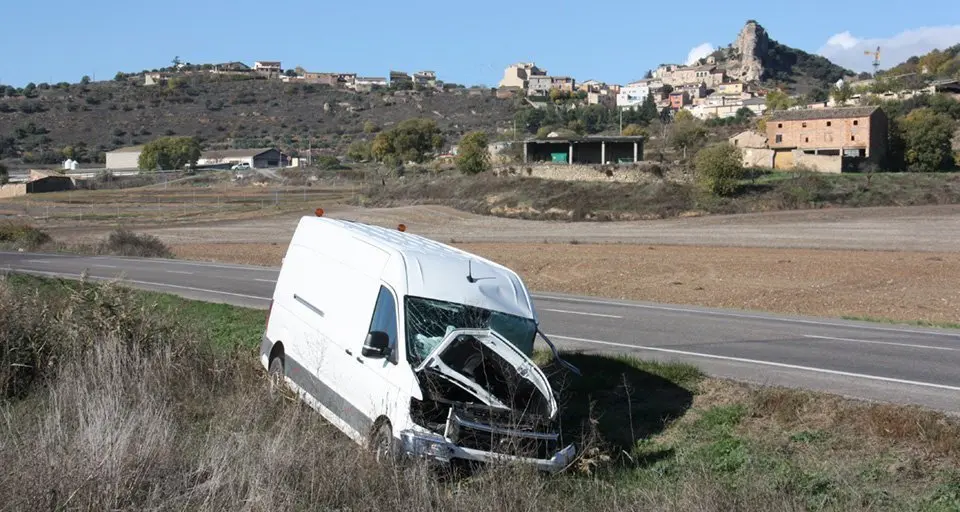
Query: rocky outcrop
point(751, 46)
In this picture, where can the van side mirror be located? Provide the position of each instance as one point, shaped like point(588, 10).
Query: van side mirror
point(377, 345)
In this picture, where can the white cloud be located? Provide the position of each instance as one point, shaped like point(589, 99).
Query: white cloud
point(848, 50)
point(699, 52)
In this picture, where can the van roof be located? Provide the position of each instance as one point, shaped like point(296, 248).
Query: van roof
point(439, 271)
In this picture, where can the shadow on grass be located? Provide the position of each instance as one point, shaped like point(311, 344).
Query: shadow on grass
point(619, 401)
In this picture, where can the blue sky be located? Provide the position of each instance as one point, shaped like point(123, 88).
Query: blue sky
point(465, 42)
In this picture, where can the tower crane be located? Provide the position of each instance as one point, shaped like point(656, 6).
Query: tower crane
point(876, 60)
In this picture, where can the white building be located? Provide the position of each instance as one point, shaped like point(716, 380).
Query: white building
point(267, 66)
point(635, 93)
point(256, 158)
point(124, 158)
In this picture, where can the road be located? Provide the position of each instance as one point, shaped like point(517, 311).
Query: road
point(862, 360)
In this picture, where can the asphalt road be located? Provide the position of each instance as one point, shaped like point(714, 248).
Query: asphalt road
point(862, 360)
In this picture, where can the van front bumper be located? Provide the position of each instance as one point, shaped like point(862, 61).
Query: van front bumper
point(436, 447)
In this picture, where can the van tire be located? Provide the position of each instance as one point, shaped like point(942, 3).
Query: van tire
point(275, 376)
point(382, 443)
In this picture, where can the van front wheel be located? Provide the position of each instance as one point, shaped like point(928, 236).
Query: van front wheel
point(384, 447)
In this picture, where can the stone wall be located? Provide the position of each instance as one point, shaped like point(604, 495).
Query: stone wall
point(13, 190)
point(643, 172)
point(819, 163)
point(757, 157)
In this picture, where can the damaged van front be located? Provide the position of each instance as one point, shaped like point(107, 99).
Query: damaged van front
point(482, 399)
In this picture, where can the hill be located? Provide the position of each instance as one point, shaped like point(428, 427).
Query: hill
point(755, 57)
point(40, 123)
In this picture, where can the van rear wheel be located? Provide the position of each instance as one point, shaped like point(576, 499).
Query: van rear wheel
point(275, 375)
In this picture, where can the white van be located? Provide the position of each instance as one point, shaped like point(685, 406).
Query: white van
point(411, 347)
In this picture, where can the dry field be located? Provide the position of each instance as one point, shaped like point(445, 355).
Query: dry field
point(901, 285)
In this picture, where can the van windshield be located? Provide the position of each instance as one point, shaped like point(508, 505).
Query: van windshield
point(428, 321)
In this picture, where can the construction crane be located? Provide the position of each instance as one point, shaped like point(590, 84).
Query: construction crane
point(876, 60)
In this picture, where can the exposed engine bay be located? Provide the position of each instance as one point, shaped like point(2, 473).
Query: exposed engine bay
point(480, 394)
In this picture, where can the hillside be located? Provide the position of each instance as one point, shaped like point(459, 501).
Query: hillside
point(755, 57)
point(248, 113)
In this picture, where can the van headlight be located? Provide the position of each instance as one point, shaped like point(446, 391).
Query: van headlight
point(429, 445)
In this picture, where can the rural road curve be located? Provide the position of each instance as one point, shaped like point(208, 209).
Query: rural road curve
point(869, 361)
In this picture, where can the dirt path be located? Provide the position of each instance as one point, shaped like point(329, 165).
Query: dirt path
point(910, 228)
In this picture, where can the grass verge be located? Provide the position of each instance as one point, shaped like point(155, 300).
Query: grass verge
point(133, 400)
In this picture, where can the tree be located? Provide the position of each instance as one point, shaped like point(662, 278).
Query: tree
point(720, 168)
point(473, 157)
point(119, 77)
point(359, 151)
point(648, 110)
point(926, 138)
point(686, 132)
point(290, 73)
point(778, 100)
point(85, 80)
point(370, 127)
point(410, 141)
point(841, 94)
point(176, 61)
point(169, 153)
point(4, 175)
point(328, 162)
point(634, 130)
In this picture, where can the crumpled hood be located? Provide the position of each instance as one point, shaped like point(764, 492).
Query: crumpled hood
point(524, 368)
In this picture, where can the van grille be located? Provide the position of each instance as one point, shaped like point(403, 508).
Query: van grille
point(519, 441)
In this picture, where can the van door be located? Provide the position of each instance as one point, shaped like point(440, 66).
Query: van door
point(378, 390)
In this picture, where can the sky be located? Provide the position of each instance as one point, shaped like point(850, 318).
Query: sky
point(464, 42)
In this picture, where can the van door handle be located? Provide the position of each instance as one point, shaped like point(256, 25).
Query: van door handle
point(348, 352)
point(359, 360)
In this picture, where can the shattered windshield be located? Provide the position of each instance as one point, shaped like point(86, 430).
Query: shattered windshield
point(428, 321)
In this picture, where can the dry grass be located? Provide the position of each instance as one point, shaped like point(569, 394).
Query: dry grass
point(134, 411)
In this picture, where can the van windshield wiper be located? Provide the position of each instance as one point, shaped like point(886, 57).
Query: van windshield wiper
point(556, 354)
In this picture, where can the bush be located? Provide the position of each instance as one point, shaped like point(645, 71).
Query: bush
point(125, 243)
point(473, 156)
point(328, 162)
point(23, 235)
point(720, 168)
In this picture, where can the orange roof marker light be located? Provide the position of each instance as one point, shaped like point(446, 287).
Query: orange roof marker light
point(319, 212)
point(402, 228)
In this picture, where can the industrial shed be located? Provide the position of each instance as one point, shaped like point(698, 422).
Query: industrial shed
point(124, 158)
point(595, 149)
point(257, 158)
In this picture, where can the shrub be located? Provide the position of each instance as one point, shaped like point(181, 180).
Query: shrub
point(720, 168)
point(473, 156)
point(125, 243)
point(328, 162)
point(23, 235)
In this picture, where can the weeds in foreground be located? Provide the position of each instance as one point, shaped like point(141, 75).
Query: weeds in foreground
point(121, 404)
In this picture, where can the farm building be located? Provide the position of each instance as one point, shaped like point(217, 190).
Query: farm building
point(257, 158)
point(584, 150)
point(124, 158)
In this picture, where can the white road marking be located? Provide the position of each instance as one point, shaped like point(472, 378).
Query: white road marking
point(762, 363)
point(566, 312)
point(38, 261)
point(740, 315)
point(872, 342)
point(179, 272)
point(162, 285)
point(266, 280)
point(103, 266)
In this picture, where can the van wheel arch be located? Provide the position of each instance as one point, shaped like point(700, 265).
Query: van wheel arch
point(275, 352)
